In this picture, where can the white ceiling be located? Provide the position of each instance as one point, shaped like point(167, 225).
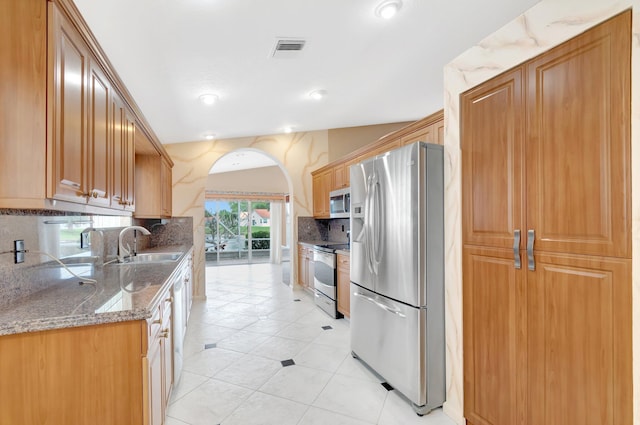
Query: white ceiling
point(170, 52)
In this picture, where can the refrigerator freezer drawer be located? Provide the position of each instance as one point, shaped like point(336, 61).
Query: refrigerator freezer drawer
point(391, 338)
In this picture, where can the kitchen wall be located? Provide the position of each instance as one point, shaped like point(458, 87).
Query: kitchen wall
point(297, 155)
point(262, 180)
point(544, 26)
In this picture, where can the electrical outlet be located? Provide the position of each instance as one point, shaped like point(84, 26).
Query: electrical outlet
point(18, 248)
point(84, 240)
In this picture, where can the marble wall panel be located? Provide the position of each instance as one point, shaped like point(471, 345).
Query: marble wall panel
point(542, 27)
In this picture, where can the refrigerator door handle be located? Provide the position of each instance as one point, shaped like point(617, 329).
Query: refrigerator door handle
point(516, 249)
point(531, 237)
point(368, 218)
point(379, 217)
point(379, 304)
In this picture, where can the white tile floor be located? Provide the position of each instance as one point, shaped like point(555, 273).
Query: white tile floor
point(251, 322)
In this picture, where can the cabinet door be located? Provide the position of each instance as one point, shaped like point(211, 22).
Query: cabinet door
point(344, 282)
point(303, 263)
point(129, 156)
point(155, 365)
point(310, 269)
point(67, 142)
point(492, 161)
point(578, 163)
point(340, 177)
point(167, 355)
point(121, 174)
point(99, 140)
point(493, 321)
point(579, 339)
point(321, 189)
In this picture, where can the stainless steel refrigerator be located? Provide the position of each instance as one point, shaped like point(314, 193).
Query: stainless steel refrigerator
point(397, 270)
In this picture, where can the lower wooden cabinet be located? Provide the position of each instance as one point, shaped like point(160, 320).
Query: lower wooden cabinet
point(344, 280)
point(74, 376)
point(109, 374)
point(305, 266)
point(159, 361)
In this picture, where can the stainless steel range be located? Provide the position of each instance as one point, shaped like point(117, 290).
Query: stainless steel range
point(324, 277)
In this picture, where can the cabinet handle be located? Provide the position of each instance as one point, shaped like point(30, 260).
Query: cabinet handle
point(165, 333)
point(531, 236)
point(169, 300)
point(516, 249)
point(157, 322)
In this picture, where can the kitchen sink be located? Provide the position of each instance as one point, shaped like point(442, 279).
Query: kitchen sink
point(153, 257)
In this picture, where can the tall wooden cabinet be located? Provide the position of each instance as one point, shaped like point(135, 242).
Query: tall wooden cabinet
point(546, 233)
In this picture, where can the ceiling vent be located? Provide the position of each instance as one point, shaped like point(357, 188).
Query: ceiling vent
point(288, 48)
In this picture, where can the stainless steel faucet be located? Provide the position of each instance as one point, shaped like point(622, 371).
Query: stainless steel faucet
point(125, 252)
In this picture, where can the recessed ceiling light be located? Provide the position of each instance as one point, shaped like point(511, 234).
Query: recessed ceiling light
point(387, 9)
point(210, 136)
point(288, 130)
point(317, 94)
point(208, 99)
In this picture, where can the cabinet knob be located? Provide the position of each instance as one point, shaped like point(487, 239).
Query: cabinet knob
point(165, 333)
point(169, 300)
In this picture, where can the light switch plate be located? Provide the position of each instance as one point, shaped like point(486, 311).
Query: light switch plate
point(18, 247)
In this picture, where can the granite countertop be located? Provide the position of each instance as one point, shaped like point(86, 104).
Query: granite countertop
point(124, 292)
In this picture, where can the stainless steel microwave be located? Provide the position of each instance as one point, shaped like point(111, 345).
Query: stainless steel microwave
point(340, 203)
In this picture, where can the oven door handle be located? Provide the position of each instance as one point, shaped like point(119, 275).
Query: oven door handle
point(379, 304)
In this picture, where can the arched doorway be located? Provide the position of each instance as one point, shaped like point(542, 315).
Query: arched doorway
point(247, 215)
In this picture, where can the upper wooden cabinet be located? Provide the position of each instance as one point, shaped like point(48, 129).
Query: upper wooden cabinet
point(72, 123)
point(340, 177)
point(152, 183)
point(67, 146)
point(123, 151)
point(322, 184)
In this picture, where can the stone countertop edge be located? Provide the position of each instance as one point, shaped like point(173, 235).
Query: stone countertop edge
point(13, 327)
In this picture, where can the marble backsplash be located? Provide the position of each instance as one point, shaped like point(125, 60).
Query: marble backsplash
point(59, 235)
point(311, 229)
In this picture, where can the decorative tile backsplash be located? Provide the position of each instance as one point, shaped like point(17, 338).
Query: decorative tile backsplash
point(311, 229)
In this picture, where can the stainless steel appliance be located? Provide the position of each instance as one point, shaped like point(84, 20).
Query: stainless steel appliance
point(397, 270)
point(340, 203)
point(325, 279)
